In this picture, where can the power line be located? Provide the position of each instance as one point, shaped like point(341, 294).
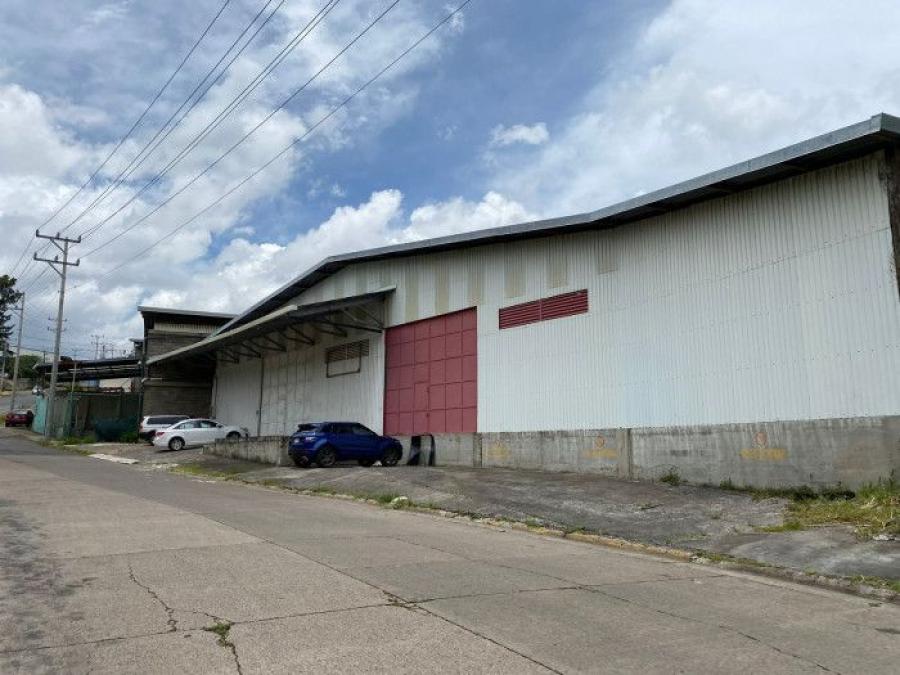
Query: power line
point(156, 140)
point(245, 136)
point(128, 133)
point(284, 150)
point(131, 165)
point(230, 108)
point(235, 102)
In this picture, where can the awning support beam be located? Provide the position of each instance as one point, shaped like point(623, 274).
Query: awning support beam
point(294, 335)
point(273, 344)
point(332, 328)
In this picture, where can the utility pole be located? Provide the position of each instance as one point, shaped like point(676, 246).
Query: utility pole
point(74, 369)
point(60, 267)
point(21, 308)
point(96, 339)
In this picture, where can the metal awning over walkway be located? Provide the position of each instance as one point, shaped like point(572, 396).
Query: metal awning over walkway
point(275, 330)
point(94, 369)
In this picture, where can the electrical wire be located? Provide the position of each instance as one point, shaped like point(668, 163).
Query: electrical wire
point(159, 137)
point(230, 108)
point(252, 131)
point(287, 148)
point(127, 133)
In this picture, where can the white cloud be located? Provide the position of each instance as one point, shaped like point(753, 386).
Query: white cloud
point(44, 156)
point(708, 84)
point(244, 272)
point(536, 134)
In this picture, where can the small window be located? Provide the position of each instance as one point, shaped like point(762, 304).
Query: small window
point(345, 359)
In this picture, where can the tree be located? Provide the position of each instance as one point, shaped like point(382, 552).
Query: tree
point(9, 296)
point(27, 362)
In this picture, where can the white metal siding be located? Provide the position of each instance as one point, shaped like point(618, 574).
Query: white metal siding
point(777, 303)
point(236, 393)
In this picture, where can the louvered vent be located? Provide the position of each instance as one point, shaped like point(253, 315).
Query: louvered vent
point(555, 307)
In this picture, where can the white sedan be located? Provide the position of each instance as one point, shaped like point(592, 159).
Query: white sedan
point(195, 432)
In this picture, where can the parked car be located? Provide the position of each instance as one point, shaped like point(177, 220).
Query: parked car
point(152, 423)
point(193, 432)
point(19, 418)
point(328, 442)
point(37, 391)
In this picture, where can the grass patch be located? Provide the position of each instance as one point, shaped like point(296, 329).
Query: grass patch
point(198, 469)
point(874, 509)
point(78, 440)
point(220, 628)
point(321, 490)
point(877, 582)
point(787, 526)
point(671, 477)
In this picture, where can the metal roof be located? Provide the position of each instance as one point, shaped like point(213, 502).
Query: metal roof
point(849, 142)
point(240, 340)
point(95, 369)
point(143, 309)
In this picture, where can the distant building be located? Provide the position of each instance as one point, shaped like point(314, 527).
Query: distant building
point(176, 388)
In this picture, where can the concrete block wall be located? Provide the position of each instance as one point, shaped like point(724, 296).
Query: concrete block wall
point(850, 452)
point(604, 451)
point(177, 398)
point(264, 449)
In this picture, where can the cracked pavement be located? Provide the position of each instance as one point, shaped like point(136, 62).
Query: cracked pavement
point(108, 569)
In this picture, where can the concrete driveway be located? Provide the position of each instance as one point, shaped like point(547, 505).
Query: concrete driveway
point(104, 568)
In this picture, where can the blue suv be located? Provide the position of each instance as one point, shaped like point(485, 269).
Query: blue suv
point(328, 442)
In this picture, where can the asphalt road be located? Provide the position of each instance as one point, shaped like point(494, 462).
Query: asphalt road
point(111, 568)
point(24, 399)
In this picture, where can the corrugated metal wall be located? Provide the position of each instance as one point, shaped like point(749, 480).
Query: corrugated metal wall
point(778, 303)
point(236, 393)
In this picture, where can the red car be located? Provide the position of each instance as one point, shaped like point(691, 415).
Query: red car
point(19, 418)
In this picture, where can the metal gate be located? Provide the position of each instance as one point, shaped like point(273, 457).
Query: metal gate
point(431, 376)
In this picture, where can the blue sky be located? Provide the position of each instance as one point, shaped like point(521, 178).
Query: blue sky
point(517, 109)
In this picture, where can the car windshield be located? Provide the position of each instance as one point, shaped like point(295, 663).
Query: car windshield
point(306, 428)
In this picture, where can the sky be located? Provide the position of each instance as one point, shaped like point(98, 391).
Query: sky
point(513, 110)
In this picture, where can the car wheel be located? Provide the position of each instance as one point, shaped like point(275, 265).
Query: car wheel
point(326, 456)
point(176, 444)
point(233, 436)
point(302, 462)
point(366, 462)
point(391, 456)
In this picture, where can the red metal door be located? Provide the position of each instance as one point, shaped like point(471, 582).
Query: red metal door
point(431, 375)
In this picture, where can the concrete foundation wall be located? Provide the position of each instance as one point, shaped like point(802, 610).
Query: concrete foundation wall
point(850, 452)
point(264, 449)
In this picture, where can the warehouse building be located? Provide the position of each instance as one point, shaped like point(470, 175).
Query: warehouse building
point(742, 326)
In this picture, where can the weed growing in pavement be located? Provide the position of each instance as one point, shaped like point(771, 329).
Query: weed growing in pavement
point(79, 440)
point(220, 628)
point(198, 469)
point(874, 509)
point(671, 477)
point(787, 526)
point(877, 582)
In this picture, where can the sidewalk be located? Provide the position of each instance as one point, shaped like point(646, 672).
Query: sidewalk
point(708, 521)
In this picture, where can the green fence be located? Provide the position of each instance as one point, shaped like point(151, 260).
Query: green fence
point(107, 415)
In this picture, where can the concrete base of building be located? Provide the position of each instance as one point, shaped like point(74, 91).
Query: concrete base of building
point(849, 452)
point(265, 449)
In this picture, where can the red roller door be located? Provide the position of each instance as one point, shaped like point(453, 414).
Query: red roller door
point(431, 376)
